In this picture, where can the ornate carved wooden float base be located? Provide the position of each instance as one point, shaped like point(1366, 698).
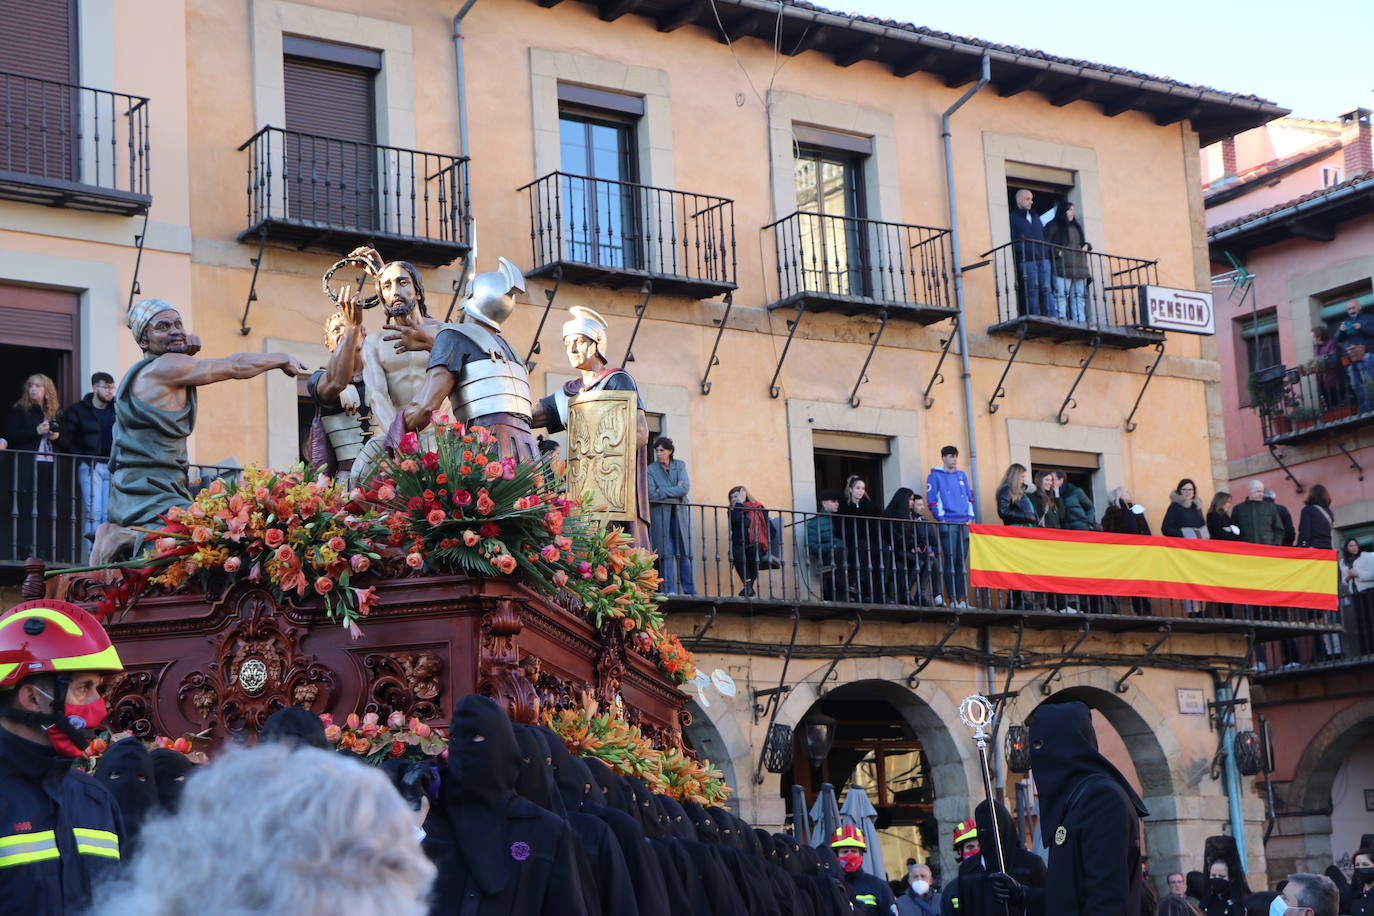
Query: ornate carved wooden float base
point(226, 662)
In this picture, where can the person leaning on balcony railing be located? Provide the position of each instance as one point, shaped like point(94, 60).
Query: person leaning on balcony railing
point(899, 545)
point(1331, 387)
point(1032, 257)
point(1220, 527)
point(670, 527)
point(825, 548)
point(1126, 516)
point(32, 430)
point(950, 496)
point(748, 537)
point(1356, 339)
point(1071, 268)
point(1258, 520)
point(88, 430)
point(1314, 524)
point(1014, 507)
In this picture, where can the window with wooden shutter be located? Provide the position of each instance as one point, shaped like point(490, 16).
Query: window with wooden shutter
point(330, 167)
point(37, 98)
point(39, 331)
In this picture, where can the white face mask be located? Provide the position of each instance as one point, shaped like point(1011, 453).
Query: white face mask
point(920, 886)
point(1279, 906)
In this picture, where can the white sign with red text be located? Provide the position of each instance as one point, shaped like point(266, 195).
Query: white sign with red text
point(1166, 309)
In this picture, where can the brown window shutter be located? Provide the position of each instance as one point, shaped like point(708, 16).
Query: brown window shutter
point(41, 43)
point(331, 164)
point(33, 317)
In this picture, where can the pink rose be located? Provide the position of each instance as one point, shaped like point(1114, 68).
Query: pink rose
point(324, 585)
point(273, 537)
point(505, 563)
point(430, 460)
point(232, 564)
point(410, 444)
point(409, 466)
point(560, 579)
point(286, 555)
point(493, 470)
point(359, 563)
point(414, 560)
point(435, 516)
point(462, 498)
point(371, 718)
point(337, 544)
point(332, 734)
point(397, 719)
point(549, 553)
point(386, 493)
point(471, 538)
point(508, 468)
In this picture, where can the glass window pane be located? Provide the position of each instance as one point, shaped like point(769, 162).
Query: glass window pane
point(807, 198)
point(572, 146)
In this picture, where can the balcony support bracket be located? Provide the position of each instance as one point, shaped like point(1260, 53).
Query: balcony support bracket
point(830, 669)
point(695, 638)
point(1001, 391)
point(936, 378)
point(1354, 465)
point(720, 332)
point(1083, 364)
point(648, 290)
point(1274, 453)
point(1149, 376)
point(874, 337)
point(773, 390)
point(134, 288)
point(914, 677)
point(1139, 666)
point(549, 296)
point(253, 284)
point(774, 695)
point(1054, 674)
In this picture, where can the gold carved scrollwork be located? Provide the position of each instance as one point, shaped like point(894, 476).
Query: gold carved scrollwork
point(602, 428)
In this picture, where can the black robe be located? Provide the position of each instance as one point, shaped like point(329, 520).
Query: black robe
point(170, 770)
point(970, 888)
point(497, 854)
point(1089, 818)
point(126, 769)
point(723, 897)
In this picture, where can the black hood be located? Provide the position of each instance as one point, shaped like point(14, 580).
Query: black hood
point(767, 847)
point(1222, 848)
point(483, 757)
point(708, 831)
point(170, 771)
point(731, 828)
point(126, 769)
point(613, 790)
point(535, 780)
point(788, 853)
point(680, 825)
point(1006, 831)
point(1063, 754)
point(294, 726)
point(571, 776)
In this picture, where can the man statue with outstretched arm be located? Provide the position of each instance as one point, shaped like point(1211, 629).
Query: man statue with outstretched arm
point(155, 412)
point(343, 419)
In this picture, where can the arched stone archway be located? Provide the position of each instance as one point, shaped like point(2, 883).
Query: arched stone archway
point(1150, 742)
point(932, 717)
point(1310, 789)
point(720, 740)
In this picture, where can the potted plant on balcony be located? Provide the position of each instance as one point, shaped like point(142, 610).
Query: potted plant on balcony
point(1304, 416)
point(1270, 398)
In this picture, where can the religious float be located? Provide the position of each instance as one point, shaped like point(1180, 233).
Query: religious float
point(453, 571)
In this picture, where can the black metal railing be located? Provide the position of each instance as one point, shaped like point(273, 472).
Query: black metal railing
point(62, 133)
point(623, 227)
point(1087, 288)
point(50, 504)
point(846, 257)
point(364, 188)
point(1322, 395)
point(804, 557)
point(1352, 644)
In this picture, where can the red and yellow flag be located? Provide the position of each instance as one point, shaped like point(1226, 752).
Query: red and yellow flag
point(1098, 563)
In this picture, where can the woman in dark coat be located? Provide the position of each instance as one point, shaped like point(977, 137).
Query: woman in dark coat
point(748, 537)
point(1314, 524)
point(1125, 516)
point(1184, 514)
point(1358, 897)
point(1219, 524)
point(1014, 507)
point(31, 427)
point(899, 546)
point(1048, 513)
point(1071, 268)
point(856, 531)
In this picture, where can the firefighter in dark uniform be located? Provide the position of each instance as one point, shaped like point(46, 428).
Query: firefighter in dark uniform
point(867, 894)
point(60, 830)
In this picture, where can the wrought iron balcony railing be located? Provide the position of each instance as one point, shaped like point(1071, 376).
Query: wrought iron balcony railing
point(621, 234)
point(1063, 293)
point(808, 558)
point(323, 194)
point(43, 504)
point(863, 265)
point(1319, 398)
point(63, 145)
point(1352, 644)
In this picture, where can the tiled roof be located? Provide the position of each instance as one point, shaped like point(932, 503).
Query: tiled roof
point(1265, 169)
point(1362, 178)
point(1023, 52)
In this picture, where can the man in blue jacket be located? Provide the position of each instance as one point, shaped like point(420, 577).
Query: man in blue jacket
point(1358, 331)
point(950, 498)
point(1032, 255)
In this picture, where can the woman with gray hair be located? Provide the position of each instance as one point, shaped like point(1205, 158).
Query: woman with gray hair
point(278, 829)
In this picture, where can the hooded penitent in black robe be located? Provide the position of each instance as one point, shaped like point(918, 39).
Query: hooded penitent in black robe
point(126, 770)
point(722, 895)
point(969, 893)
point(720, 836)
point(1089, 818)
point(498, 854)
point(607, 886)
point(294, 726)
point(170, 770)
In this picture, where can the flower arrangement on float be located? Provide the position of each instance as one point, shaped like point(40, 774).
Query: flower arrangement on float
point(186, 745)
point(375, 741)
point(590, 732)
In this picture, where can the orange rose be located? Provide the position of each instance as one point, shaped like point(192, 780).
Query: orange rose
point(324, 585)
point(414, 560)
point(273, 537)
point(471, 538)
point(337, 544)
point(505, 563)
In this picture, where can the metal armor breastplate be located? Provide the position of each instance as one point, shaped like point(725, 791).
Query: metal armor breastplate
point(347, 433)
point(493, 385)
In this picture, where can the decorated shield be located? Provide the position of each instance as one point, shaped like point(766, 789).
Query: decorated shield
point(601, 452)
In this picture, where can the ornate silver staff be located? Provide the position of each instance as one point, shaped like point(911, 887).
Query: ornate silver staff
point(976, 712)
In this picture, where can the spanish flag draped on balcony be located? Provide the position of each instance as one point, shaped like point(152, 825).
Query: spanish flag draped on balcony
point(1097, 563)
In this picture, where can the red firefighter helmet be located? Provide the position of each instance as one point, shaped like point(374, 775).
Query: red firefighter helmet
point(848, 836)
point(967, 830)
point(46, 636)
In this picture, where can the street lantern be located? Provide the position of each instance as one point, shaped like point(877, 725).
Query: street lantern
point(820, 735)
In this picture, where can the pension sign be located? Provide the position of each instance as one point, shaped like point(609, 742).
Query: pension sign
point(1167, 309)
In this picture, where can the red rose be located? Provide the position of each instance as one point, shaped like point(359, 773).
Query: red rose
point(462, 498)
point(489, 530)
point(430, 460)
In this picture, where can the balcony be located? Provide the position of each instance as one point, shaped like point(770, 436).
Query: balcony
point(616, 234)
point(1106, 309)
point(42, 509)
point(320, 194)
point(863, 266)
point(1309, 402)
point(897, 572)
point(63, 145)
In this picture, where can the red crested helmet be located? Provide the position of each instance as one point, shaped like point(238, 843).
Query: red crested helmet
point(967, 830)
point(848, 836)
point(46, 636)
